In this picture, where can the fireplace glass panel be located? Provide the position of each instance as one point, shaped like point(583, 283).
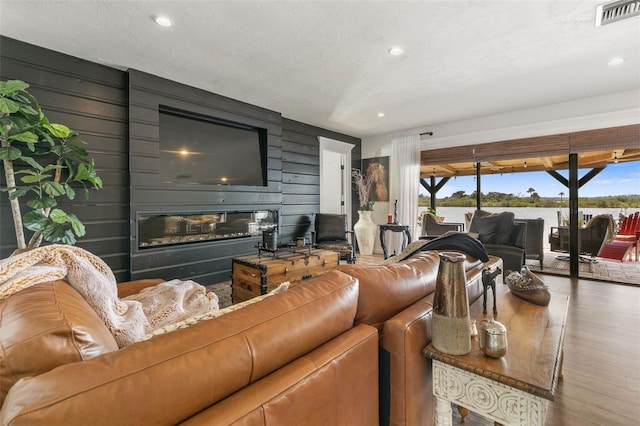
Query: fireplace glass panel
point(164, 229)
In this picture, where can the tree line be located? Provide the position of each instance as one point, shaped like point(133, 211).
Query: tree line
point(501, 199)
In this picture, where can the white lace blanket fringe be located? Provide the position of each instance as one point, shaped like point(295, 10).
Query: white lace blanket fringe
point(128, 319)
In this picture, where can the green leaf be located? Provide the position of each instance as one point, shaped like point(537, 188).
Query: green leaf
point(28, 110)
point(10, 153)
point(54, 189)
point(60, 131)
point(82, 173)
point(58, 216)
point(7, 106)
point(28, 137)
point(76, 225)
point(11, 87)
point(32, 162)
point(19, 192)
point(71, 193)
point(96, 181)
point(42, 203)
point(57, 233)
point(35, 221)
point(29, 179)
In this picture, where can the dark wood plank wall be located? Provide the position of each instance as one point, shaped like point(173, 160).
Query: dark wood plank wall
point(91, 99)
point(206, 262)
point(94, 100)
point(301, 175)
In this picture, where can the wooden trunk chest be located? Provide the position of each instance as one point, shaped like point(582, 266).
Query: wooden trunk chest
point(256, 275)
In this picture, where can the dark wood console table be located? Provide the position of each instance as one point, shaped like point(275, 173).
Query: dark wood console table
point(406, 235)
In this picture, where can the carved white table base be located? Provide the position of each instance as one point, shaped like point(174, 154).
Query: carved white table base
point(484, 396)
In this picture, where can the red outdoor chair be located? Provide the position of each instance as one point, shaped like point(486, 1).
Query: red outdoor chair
point(626, 239)
point(628, 228)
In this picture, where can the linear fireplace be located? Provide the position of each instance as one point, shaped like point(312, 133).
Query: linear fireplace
point(167, 229)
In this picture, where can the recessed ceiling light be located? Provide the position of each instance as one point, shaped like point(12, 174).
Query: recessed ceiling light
point(395, 51)
point(616, 61)
point(381, 114)
point(162, 21)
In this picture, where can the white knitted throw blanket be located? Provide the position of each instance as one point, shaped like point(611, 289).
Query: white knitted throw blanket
point(128, 319)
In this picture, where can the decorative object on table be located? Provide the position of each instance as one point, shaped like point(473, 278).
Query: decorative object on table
point(451, 325)
point(474, 328)
point(395, 213)
point(489, 281)
point(493, 338)
point(270, 239)
point(389, 219)
point(51, 161)
point(528, 286)
point(364, 228)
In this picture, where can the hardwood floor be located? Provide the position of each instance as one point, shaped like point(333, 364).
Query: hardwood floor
point(601, 384)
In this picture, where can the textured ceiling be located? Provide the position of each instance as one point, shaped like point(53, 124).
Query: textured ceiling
point(326, 63)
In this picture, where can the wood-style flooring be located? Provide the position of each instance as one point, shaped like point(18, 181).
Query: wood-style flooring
point(601, 384)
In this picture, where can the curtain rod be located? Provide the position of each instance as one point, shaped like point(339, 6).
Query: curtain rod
point(426, 133)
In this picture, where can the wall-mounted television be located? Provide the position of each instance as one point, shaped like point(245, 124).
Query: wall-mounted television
point(196, 149)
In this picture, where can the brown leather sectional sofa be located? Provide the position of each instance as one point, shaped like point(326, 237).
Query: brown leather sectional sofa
point(309, 355)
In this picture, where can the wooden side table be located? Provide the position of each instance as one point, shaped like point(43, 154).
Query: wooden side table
point(514, 389)
point(406, 235)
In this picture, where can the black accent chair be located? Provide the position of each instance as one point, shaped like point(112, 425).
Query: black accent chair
point(502, 236)
point(597, 232)
point(431, 226)
point(331, 232)
point(534, 240)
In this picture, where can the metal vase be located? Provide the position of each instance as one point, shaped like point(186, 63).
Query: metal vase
point(451, 327)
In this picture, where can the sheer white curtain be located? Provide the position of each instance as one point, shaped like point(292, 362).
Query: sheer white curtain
point(405, 178)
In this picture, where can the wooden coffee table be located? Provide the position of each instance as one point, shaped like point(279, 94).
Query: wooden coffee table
point(255, 275)
point(514, 389)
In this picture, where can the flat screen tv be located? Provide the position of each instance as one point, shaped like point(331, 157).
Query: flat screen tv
point(199, 150)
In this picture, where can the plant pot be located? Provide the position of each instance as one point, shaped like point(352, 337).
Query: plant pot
point(365, 231)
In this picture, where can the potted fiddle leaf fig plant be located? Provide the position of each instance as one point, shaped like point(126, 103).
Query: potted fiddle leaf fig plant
point(42, 161)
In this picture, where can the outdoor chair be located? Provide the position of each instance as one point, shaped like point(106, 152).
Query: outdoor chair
point(628, 228)
point(626, 239)
point(534, 240)
point(502, 236)
point(432, 226)
point(331, 232)
point(591, 239)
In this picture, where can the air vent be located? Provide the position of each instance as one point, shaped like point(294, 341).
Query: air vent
point(616, 11)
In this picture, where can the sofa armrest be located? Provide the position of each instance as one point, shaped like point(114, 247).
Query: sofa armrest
point(128, 288)
point(408, 397)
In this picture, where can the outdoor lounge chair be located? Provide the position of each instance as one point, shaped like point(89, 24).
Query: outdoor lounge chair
point(591, 239)
point(624, 242)
point(431, 225)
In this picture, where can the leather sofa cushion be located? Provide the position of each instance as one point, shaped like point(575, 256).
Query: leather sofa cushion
point(492, 228)
point(45, 326)
point(172, 376)
point(387, 289)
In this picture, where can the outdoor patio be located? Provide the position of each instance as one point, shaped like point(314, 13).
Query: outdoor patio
point(627, 272)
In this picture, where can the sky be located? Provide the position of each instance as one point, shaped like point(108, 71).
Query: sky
point(615, 179)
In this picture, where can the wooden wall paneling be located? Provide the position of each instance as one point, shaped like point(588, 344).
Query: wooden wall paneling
point(301, 175)
point(91, 99)
point(205, 261)
point(116, 113)
point(622, 137)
